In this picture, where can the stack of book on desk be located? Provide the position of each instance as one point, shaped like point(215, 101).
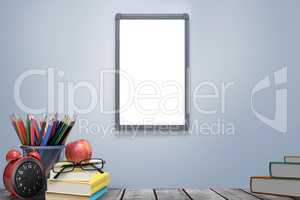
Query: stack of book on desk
point(284, 178)
point(77, 185)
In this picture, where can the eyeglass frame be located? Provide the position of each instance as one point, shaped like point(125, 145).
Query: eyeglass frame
point(79, 164)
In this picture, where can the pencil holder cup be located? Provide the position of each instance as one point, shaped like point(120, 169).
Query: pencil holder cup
point(49, 155)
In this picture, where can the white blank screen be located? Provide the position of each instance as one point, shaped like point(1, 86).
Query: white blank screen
point(152, 72)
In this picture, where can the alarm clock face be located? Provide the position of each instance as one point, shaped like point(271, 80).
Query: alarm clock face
point(28, 179)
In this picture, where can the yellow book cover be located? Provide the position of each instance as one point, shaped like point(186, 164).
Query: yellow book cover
point(81, 187)
point(75, 189)
point(84, 177)
point(98, 187)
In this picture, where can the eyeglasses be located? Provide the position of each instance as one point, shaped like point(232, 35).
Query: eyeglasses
point(88, 165)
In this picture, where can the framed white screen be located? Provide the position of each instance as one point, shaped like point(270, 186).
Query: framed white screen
point(151, 61)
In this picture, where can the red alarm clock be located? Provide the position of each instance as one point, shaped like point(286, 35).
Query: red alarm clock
point(24, 176)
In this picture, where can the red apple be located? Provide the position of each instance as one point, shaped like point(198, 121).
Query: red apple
point(78, 150)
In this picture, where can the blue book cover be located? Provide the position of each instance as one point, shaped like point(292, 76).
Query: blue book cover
point(99, 194)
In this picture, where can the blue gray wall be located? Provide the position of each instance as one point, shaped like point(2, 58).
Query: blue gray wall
point(233, 40)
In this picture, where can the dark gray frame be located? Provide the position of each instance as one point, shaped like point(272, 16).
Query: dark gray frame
point(119, 17)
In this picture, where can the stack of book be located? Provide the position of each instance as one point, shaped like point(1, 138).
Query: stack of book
point(77, 185)
point(283, 179)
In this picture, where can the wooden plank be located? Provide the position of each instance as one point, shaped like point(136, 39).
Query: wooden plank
point(139, 194)
point(178, 194)
point(113, 194)
point(171, 194)
point(267, 197)
point(202, 194)
point(234, 194)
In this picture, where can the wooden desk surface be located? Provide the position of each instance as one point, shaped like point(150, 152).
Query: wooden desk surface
point(178, 194)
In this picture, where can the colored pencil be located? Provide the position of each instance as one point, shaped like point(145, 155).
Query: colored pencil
point(23, 130)
point(14, 123)
point(43, 132)
point(60, 131)
point(43, 125)
point(61, 134)
point(62, 141)
point(28, 130)
point(66, 134)
point(36, 130)
point(46, 138)
point(32, 137)
point(18, 122)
